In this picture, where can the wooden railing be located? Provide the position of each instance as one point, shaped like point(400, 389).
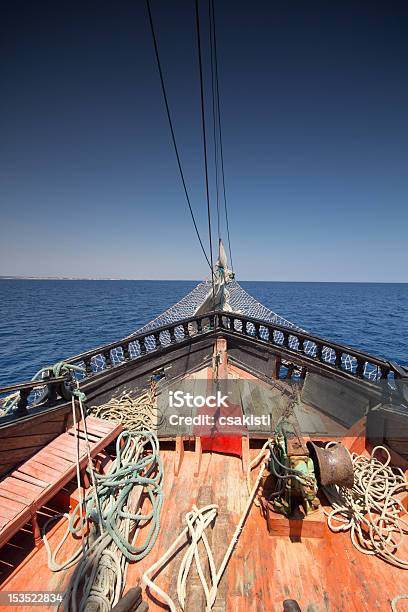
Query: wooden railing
point(309, 348)
point(288, 343)
point(140, 344)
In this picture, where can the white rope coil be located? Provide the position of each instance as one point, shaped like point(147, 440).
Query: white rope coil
point(372, 510)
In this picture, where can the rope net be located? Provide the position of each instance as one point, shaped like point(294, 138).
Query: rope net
point(238, 300)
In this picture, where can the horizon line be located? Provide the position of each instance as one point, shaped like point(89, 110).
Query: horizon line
point(152, 280)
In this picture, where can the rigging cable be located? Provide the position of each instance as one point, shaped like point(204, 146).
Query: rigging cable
point(217, 90)
point(173, 135)
point(200, 67)
point(214, 114)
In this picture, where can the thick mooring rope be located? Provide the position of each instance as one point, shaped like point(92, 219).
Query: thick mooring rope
point(101, 570)
point(372, 510)
point(263, 454)
point(135, 413)
point(197, 521)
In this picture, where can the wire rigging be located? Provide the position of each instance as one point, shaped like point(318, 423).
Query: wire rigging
point(210, 263)
point(200, 67)
point(217, 93)
point(214, 116)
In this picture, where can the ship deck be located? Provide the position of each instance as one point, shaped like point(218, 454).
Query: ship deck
point(321, 574)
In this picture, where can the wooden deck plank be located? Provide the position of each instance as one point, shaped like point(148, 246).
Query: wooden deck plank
point(61, 451)
point(40, 477)
point(50, 461)
point(15, 484)
point(94, 424)
point(26, 478)
point(5, 511)
point(35, 472)
point(24, 499)
point(67, 449)
point(13, 504)
point(92, 437)
point(93, 429)
point(44, 469)
point(46, 454)
point(68, 440)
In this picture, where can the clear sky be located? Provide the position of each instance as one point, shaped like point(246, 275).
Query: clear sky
point(314, 100)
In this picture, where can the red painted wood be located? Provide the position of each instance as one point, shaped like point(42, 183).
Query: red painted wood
point(45, 472)
point(24, 499)
point(325, 574)
point(69, 441)
point(11, 504)
point(33, 471)
point(20, 494)
point(50, 461)
point(178, 455)
point(95, 430)
point(92, 437)
point(7, 512)
point(29, 479)
point(19, 486)
point(64, 449)
point(99, 423)
point(61, 451)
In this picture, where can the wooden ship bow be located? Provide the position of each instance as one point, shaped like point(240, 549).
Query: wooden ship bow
point(220, 457)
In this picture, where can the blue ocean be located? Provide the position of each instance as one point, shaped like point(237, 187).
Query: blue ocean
point(44, 321)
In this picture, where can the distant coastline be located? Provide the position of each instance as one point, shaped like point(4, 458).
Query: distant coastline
point(154, 280)
point(73, 278)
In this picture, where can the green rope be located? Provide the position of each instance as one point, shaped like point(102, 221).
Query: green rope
point(59, 369)
point(133, 466)
point(114, 488)
point(137, 464)
point(79, 394)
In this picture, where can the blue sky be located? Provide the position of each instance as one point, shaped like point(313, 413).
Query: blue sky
point(314, 103)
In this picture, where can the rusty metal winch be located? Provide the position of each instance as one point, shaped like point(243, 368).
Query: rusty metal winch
point(332, 465)
point(297, 470)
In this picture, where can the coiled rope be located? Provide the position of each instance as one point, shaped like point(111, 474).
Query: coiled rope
point(197, 521)
point(101, 570)
point(135, 414)
point(372, 510)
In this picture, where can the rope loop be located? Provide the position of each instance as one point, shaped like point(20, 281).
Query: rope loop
point(112, 512)
point(372, 511)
